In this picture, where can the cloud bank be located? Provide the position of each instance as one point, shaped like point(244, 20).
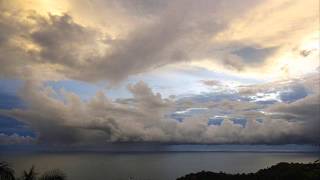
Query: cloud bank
point(63, 118)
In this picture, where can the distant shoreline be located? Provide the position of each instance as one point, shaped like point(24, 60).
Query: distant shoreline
point(166, 148)
point(158, 152)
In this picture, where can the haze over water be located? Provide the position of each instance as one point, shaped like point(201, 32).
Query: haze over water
point(159, 162)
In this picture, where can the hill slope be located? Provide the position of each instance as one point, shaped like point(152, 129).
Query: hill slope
point(281, 171)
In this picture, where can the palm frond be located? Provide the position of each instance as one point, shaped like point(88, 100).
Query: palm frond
point(30, 175)
point(6, 172)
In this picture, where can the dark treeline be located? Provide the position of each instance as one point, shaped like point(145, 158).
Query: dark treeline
point(281, 171)
point(8, 173)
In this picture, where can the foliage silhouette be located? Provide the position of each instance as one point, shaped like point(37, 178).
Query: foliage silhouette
point(6, 172)
point(281, 171)
point(29, 175)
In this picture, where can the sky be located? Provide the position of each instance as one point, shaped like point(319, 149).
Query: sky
point(94, 72)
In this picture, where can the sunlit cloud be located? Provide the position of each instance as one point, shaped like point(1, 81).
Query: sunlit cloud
point(162, 71)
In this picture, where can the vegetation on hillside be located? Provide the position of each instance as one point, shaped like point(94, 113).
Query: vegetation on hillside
point(281, 171)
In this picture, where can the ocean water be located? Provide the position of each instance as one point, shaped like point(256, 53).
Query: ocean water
point(152, 163)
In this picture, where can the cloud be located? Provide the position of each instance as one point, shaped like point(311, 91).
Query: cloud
point(61, 117)
point(305, 110)
point(211, 83)
point(288, 89)
point(98, 120)
point(113, 40)
point(76, 43)
point(78, 52)
point(263, 24)
point(254, 56)
point(62, 41)
point(15, 139)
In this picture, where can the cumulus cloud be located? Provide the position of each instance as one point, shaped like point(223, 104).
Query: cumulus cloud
point(305, 110)
point(63, 118)
point(100, 119)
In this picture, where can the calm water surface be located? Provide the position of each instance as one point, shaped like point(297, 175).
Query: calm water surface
point(151, 165)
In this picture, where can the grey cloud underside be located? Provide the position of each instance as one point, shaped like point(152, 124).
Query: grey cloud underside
point(254, 55)
point(147, 117)
point(176, 32)
point(15, 139)
point(306, 111)
point(211, 83)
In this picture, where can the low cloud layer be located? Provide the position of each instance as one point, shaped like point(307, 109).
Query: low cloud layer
point(63, 118)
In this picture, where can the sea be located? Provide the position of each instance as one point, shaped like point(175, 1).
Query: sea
point(153, 162)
